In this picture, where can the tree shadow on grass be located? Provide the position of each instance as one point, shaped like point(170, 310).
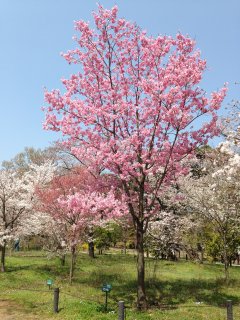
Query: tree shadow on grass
point(97, 279)
point(51, 270)
point(181, 291)
point(17, 268)
point(175, 292)
point(162, 293)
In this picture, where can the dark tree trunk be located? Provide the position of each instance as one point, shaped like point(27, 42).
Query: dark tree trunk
point(140, 228)
point(141, 293)
point(3, 249)
point(73, 262)
point(202, 256)
point(225, 257)
point(125, 247)
point(63, 259)
point(91, 249)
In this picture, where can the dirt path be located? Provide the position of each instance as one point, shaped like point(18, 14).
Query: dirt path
point(11, 311)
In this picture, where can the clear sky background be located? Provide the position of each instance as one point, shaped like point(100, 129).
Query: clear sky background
point(34, 32)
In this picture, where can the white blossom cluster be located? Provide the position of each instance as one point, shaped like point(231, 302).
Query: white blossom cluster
point(17, 215)
point(215, 196)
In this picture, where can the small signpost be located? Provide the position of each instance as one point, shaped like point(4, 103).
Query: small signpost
point(49, 283)
point(106, 288)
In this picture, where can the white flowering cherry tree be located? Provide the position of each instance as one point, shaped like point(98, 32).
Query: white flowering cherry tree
point(17, 202)
point(215, 196)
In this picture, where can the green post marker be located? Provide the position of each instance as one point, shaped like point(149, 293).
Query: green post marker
point(106, 300)
point(49, 283)
point(106, 288)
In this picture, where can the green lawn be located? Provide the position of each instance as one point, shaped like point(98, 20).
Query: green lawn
point(176, 290)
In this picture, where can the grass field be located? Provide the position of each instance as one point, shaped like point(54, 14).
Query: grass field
point(176, 290)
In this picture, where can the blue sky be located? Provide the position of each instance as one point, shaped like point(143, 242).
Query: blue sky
point(34, 32)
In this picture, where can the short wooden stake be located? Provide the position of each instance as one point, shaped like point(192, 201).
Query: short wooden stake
point(229, 310)
point(55, 300)
point(121, 310)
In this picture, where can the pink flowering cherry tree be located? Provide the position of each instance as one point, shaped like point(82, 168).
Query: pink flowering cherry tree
point(131, 110)
point(77, 201)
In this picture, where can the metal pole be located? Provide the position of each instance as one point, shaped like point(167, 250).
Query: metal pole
point(55, 300)
point(229, 310)
point(121, 310)
point(106, 301)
